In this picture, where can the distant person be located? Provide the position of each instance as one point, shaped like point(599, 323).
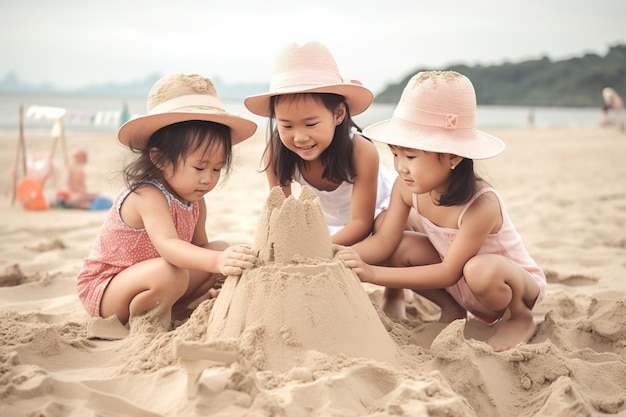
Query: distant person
point(616, 104)
point(469, 257)
point(604, 116)
point(73, 193)
point(531, 118)
point(153, 254)
point(314, 141)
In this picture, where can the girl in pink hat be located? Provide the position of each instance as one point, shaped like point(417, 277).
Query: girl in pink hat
point(153, 254)
point(314, 142)
point(467, 255)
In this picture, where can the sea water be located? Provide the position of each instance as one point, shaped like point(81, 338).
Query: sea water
point(105, 113)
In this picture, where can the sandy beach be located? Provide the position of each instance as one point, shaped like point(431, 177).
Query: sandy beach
point(295, 345)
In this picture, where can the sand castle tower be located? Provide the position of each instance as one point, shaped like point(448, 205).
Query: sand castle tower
point(298, 297)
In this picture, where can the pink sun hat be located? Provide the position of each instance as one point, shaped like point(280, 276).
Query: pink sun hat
point(180, 98)
point(437, 113)
point(309, 68)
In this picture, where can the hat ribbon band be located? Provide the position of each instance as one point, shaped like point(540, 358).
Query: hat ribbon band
point(301, 78)
point(190, 100)
point(427, 118)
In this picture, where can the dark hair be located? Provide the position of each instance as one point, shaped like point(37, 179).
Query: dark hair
point(462, 184)
point(176, 141)
point(337, 168)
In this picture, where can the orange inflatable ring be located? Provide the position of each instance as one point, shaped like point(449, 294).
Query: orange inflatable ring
point(30, 194)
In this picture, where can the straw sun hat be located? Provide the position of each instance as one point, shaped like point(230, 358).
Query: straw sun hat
point(179, 98)
point(309, 68)
point(437, 113)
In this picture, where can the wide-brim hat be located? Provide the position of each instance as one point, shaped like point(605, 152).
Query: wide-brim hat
point(437, 113)
point(309, 68)
point(179, 98)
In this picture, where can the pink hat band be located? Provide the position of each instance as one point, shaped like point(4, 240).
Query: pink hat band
point(300, 80)
point(447, 121)
point(199, 101)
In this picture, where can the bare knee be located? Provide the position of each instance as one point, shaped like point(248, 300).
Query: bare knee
point(481, 274)
point(171, 285)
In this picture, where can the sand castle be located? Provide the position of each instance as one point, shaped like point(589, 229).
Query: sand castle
point(299, 297)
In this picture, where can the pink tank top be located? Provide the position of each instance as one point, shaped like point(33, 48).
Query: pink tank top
point(506, 242)
point(119, 246)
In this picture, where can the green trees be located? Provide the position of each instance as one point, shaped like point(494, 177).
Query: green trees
point(542, 82)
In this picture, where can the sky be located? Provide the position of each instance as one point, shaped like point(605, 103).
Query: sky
point(76, 43)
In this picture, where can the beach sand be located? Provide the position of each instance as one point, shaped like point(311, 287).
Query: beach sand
point(306, 339)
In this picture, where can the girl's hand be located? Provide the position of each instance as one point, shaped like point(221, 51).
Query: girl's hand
point(353, 261)
point(234, 259)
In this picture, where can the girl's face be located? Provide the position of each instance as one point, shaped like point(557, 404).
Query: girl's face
point(423, 171)
point(305, 126)
point(196, 174)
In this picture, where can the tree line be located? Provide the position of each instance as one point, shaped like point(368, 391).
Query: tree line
point(542, 82)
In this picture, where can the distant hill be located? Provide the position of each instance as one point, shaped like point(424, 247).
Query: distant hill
point(572, 82)
point(542, 82)
point(12, 85)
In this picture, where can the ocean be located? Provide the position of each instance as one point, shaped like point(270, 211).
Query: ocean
point(103, 113)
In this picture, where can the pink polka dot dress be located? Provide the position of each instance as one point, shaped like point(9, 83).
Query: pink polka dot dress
point(119, 246)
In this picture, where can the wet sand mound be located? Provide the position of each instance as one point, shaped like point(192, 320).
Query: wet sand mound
point(298, 297)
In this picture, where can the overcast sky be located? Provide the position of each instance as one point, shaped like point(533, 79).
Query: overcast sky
point(74, 43)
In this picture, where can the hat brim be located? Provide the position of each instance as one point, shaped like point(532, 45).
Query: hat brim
point(136, 132)
point(357, 97)
point(468, 143)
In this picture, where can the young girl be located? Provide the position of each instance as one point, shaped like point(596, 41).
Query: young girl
point(313, 140)
point(153, 253)
point(469, 257)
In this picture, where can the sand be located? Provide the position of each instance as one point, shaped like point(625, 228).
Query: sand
point(299, 335)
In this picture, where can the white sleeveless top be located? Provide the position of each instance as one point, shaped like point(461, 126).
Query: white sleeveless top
point(336, 203)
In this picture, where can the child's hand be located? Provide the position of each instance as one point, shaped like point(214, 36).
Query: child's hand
point(353, 261)
point(234, 259)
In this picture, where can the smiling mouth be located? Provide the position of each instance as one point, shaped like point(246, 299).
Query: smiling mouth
point(306, 148)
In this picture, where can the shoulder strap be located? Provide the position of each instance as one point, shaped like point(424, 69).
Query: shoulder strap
point(474, 197)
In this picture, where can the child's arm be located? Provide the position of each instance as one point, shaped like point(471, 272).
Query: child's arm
point(363, 200)
point(227, 256)
point(153, 210)
point(482, 218)
point(379, 247)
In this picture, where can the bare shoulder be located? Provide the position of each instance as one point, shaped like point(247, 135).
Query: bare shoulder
point(145, 195)
point(486, 210)
point(401, 192)
point(364, 148)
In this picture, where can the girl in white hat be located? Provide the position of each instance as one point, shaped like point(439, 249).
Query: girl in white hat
point(467, 257)
point(314, 142)
point(153, 253)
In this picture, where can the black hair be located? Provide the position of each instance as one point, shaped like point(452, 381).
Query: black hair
point(336, 159)
point(174, 142)
point(462, 186)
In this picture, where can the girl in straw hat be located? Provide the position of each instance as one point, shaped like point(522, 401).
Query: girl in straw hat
point(153, 253)
point(313, 140)
point(468, 256)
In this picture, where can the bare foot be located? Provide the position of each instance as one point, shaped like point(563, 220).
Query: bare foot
point(394, 309)
point(510, 333)
point(393, 304)
point(448, 315)
point(180, 311)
